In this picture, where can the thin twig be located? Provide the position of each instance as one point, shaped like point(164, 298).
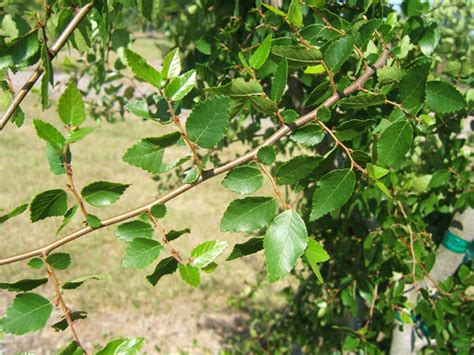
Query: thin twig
point(250, 156)
point(70, 182)
point(274, 185)
point(62, 304)
point(157, 226)
point(53, 50)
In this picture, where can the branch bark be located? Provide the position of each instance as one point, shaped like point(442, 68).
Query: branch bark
point(53, 50)
point(208, 174)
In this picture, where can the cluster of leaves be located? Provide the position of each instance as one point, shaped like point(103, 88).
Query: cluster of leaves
point(370, 184)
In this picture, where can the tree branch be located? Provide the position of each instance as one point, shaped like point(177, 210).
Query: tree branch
point(208, 174)
point(53, 50)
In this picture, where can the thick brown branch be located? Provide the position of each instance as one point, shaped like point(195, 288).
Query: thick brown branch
point(53, 50)
point(275, 137)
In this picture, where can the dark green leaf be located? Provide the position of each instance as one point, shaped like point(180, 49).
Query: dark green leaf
point(412, 87)
point(266, 155)
point(279, 80)
point(103, 193)
point(166, 266)
point(67, 218)
point(248, 214)
point(309, 135)
point(249, 247)
point(78, 134)
point(93, 221)
point(21, 50)
point(395, 142)
point(59, 261)
point(296, 169)
point(73, 284)
point(141, 252)
point(36, 263)
point(362, 101)
point(47, 204)
point(298, 55)
point(338, 52)
point(285, 241)
point(56, 159)
point(175, 234)
point(244, 179)
point(334, 189)
point(23, 285)
point(159, 210)
point(63, 324)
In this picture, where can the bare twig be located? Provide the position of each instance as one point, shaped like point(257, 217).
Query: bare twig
point(275, 137)
point(62, 304)
point(53, 51)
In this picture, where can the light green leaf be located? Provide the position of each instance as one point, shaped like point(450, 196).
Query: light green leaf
point(59, 261)
point(135, 229)
point(259, 57)
point(149, 152)
point(166, 266)
point(122, 346)
point(36, 263)
point(334, 189)
point(205, 253)
point(29, 312)
point(67, 218)
point(191, 175)
point(284, 242)
point(56, 159)
point(13, 213)
point(248, 214)
point(142, 69)
point(338, 52)
point(23, 285)
point(20, 50)
point(298, 55)
point(309, 135)
point(360, 102)
point(275, 10)
point(318, 4)
point(47, 76)
point(289, 116)
point(93, 221)
point(296, 169)
point(295, 15)
point(50, 134)
point(315, 254)
point(189, 274)
point(141, 252)
point(412, 87)
point(171, 65)
point(394, 142)
point(71, 107)
point(48, 204)
point(244, 179)
point(442, 97)
point(279, 80)
point(78, 134)
point(180, 86)
point(251, 246)
point(103, 193)
point(314, 69)
point(376, 172)
point(73, 284)
point(266, 155)
point(430, 39)
point(208, 121)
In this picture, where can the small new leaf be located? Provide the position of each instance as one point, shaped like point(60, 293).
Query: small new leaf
point(171, 65)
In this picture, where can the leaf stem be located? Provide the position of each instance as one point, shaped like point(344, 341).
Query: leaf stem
point(274, 185)
point(157, 226)
point(70, 182)
point(62, 304)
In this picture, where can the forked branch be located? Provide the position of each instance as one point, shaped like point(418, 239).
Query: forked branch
point(246, 158)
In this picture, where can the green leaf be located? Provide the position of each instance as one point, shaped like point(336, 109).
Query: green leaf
point(360, 102)
point(50, 134)
point(298, 55)
point(295, 15)
point(430, 39)
point(279, 80)
point(71, 107)
point(244, 179)
point(78, 134)
point(47, 76)
point(122, 346)
point(315, 254)
point(171, 65)
point(73, 284)
point(205, 253)
point(248, 214)
point(191, 175)
point(29, 312)
point(48, 204)
point(284, 242)
point(158, 210)
point(56, 160)
point(175, 234)
point(180, 86)
point(338, 52)
point(259, 57)
point(334, 189)
point(36, 263)
point(296, 169)
point(442, 97)
point(93, 221)
point(208, 121)
point(289, 116)
point(266, 155)
point(67, 218)
point(142, 69)
point(148, 153)
point(19, 51)
point(412, 87)
point(275, 10)
point(141, 252)
point(59, 261)
point(134, 229)
point(309, 135)
point(72, 349)
point(166, 266)
point(318, 4)
point(314, 69)
point(365, 32)
point(23, 285)
point(251, 246)
point(103, 193)
point(376, 172)
point(150, 9)
point(13, 213)
point(189, 274)
point(63, 324)
point(394, 142)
